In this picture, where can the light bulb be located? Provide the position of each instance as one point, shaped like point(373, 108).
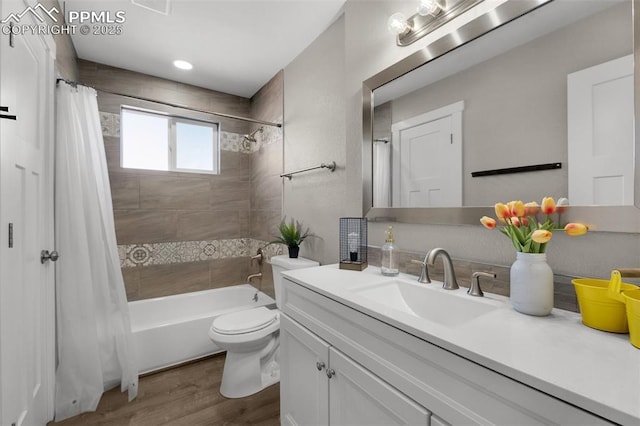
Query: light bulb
point(429, 7)
point(397, 24)
point(183, 65)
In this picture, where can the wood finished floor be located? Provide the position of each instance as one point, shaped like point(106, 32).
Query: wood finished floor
point(188, 395)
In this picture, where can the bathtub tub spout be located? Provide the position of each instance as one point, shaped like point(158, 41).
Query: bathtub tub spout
point(250, 277)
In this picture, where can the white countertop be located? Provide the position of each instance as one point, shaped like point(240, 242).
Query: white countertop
point(556, 354)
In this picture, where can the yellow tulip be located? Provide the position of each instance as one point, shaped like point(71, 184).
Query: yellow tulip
point(517, 208)
point(548, 205)
point(541, 236)
point(488, 222)
point(531, 209)
point(502, 211)
point(576, 229)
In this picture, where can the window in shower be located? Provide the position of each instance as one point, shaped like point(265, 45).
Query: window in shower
point(156, 141)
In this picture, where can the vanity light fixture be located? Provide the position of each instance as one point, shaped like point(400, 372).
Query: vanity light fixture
point(183, 65)
point(431, 14)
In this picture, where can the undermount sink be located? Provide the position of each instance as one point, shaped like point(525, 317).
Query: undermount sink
point(445, 307)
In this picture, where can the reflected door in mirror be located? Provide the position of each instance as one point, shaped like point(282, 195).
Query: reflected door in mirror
point(427, 159)
point(600, 134)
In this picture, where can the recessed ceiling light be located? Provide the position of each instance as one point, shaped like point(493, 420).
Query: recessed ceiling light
point(183, 65)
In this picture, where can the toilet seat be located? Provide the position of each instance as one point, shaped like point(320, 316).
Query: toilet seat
point(243, 322)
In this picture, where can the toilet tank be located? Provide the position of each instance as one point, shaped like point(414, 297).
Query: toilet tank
point(285, 263)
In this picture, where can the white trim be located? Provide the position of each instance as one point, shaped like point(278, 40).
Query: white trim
point(428, 116)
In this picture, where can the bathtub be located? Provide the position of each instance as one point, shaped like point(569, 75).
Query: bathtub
point(174, 329)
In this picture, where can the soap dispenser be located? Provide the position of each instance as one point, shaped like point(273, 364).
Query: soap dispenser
point(389, 263)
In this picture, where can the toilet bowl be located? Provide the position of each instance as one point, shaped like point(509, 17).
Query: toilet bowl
point(251, 339)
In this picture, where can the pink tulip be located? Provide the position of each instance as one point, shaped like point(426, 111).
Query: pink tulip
point(515, 221)
point(531, 209)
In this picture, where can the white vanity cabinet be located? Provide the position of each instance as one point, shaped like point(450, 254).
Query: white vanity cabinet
point(381, 374)
point(320, 385)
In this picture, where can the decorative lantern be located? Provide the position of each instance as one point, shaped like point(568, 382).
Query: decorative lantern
point(353, 243)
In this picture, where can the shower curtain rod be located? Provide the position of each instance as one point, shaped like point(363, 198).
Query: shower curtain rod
point(140, 98)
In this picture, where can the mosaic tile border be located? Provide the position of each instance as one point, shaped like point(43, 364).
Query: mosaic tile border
point(110, 124)
point(133, 255)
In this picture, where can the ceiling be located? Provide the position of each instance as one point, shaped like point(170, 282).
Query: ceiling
point(235, 46)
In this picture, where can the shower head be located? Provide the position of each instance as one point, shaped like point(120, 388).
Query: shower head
point(251, 137)
point(247, 140)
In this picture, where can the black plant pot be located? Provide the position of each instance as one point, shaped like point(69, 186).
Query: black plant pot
point(294, 251)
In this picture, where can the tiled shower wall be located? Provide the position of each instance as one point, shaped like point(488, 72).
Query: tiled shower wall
point(182, 232)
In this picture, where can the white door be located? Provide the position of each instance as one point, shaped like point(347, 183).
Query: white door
point(357, 397)
point(600, 134)
point(26, 226)
point(304, 386)
point(427, 159)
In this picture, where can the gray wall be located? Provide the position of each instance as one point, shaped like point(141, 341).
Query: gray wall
point(325, 118)
point(314, 118)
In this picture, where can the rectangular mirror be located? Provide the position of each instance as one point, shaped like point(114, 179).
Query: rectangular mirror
point(532, 99)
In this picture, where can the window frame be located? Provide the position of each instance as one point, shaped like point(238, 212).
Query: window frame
point(172, 120)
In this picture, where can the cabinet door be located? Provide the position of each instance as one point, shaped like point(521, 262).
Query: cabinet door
point(304, 388)
point(357, 397)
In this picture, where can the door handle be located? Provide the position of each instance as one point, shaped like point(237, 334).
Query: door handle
point(7, 116)
point(320, 365)
point(45, 255)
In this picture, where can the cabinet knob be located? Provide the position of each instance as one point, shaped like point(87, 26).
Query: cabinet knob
point(320, 365)
point(330, 373)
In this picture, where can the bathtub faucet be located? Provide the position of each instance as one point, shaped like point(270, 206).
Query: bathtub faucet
point(250, 277)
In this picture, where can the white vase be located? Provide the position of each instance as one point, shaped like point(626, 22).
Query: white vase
point(531, 284)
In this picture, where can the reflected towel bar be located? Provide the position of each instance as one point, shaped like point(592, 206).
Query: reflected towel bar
point(331, 166)
point(522, 169)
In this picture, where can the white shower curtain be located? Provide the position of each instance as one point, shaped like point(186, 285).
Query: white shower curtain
point(382, 174)
point(94, 343)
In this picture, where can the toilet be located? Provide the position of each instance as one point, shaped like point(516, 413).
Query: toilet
point(251, 339)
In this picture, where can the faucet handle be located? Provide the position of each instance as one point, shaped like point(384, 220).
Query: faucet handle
point(474, 288)
point(259, 256)
point(424, 272)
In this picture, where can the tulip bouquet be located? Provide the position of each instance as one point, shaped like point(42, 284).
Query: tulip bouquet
point(527, 232)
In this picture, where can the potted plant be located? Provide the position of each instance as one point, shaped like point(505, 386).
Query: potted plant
point(292, 235)
point(531, 278)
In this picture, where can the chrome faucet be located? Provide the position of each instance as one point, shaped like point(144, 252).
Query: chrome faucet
point(449, 281)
